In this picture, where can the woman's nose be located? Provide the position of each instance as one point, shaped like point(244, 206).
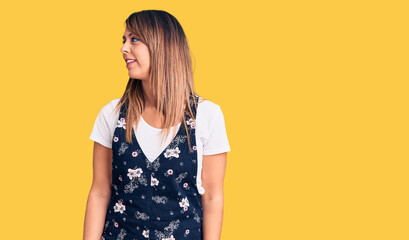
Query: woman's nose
point(124, 48)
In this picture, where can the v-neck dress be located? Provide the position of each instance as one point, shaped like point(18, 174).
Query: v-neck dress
point(155, 200)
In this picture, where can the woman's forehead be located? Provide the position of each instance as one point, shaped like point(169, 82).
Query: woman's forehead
point(127, 33)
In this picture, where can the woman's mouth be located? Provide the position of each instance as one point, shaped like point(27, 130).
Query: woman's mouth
point(131, 62)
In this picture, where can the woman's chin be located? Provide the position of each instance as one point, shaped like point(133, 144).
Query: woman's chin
point(135, 76)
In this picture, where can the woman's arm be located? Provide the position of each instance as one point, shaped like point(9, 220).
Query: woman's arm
point(213, 171)
point(99, 195)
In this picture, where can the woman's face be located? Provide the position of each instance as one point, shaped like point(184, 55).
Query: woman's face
point(136, 50)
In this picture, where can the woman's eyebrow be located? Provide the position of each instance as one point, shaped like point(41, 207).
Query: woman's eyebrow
point(128, 35)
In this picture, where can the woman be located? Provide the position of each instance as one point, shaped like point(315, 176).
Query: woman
point(149, 183)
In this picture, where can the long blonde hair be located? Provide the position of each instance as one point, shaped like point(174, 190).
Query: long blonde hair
point(170, 73)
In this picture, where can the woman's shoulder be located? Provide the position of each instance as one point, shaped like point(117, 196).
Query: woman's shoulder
point(209, 114)
point(207, 107)
point(109, 108)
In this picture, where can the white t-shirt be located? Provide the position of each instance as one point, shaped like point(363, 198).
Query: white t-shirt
point(211, 136)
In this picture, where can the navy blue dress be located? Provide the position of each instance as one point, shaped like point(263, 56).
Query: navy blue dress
point(155, 200)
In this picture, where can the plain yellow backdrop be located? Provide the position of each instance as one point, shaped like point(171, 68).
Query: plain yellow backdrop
point(314, 95)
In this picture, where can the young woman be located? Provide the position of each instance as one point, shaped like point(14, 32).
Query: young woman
point(160, 150)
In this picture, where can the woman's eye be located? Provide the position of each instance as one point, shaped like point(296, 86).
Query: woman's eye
point(132, 39)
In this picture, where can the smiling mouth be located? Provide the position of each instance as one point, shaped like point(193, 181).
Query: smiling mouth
point(128, 64)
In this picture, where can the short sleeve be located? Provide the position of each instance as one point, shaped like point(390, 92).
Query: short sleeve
point(217, 141)
point(101, 132)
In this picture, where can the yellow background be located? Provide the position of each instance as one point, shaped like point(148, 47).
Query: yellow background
point(314, 94)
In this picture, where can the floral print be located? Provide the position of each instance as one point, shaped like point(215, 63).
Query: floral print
point(146, 193)
point(145, 233)
point(172, 153)
point(191, 123)
point(169, 238)
point(184, 203)
point(121, 123)
point(119, 207)
point(134, 154)
point(154, 181)
point(133, 173)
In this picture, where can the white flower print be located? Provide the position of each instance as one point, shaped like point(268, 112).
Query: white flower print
point(173, 152)
point(121, 123)
point(184, 203)
point(133, 173)
point(119, 207)
point(169, 238)
point(145, 233)
point(191, 123)
point(154, 181)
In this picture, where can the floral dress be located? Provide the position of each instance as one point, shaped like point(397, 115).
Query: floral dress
point(155, 200)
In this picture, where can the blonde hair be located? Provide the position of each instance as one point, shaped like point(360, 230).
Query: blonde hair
point(170, 73)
